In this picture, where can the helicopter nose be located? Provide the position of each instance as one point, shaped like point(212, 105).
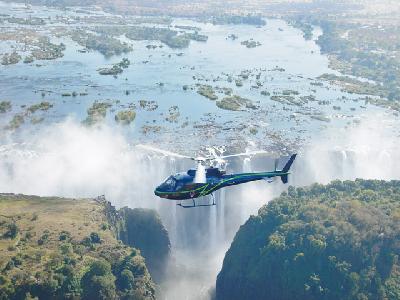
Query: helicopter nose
point(157, 192)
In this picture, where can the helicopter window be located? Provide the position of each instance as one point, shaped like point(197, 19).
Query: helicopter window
point(170, 182)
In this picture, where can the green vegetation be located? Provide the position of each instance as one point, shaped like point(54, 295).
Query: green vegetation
point(29, 59)
point(167, 36)
point(148, 129)
point(40, 106)
point(235, 103)
point(16, 122)
point(196, 37)
point(335, 241)
point(144, 230)
point(290, 92)
point(103, 43)
point(364, 51)
point(173, 114)
point(265, 93)
point(97, 112)
point(45, 50)
point(186, 27)
point(236, 20)
point(125, 116)
point(19, 118)
point(354, 86)
point(116, 69)
point(34, 21)
point(10, 58)
point(238, 83)
point(151, 20)
point(148, 105)
point(56, 248)
point(232, 37)
point(320, 117)
point(250, 43)
point(286, 99)
point(207, 91)
point(36, 46)
point(305, 27)
point(5, 106)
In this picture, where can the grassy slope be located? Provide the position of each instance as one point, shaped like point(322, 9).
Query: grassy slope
point(78, 217)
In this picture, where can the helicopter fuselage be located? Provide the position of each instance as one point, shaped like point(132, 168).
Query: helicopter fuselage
point(182, 186)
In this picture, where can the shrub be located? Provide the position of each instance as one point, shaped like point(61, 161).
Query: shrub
point(64, 235)
point(44, 238)
point(28, 235)
point(95, 238)
point(66, 249)
point(12, 231)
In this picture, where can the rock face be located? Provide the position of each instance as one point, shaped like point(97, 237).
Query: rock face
point(143, 230)
point(57, 248)
point(336, 241)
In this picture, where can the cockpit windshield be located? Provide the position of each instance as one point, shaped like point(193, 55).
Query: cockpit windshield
point(169, 184)
point(171, 181)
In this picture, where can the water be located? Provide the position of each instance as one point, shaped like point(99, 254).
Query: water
point(208, 63)
point(61, 157)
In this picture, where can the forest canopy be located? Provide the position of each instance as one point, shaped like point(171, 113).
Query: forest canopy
point(335, 241)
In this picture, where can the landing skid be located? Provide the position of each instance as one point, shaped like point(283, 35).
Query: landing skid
point(198, 205)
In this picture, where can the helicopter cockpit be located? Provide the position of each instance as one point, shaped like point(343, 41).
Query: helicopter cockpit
point(168, 185)
point(175, 182)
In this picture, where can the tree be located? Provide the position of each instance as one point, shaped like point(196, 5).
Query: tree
point(125, 280)
point(99, 282)
point(338, 241)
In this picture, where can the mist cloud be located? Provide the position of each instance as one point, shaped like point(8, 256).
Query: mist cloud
point(71, 160)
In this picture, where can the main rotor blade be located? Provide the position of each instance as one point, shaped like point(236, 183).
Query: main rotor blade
point(165, 152)
point(244, 154)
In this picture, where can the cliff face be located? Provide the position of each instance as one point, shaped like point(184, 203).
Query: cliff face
point(144, 230)
point(68, 249)
point(338, 241)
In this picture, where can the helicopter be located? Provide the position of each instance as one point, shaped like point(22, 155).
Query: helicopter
point(206, 179)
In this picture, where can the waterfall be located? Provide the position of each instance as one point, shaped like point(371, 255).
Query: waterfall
point(221, 215)
point(74, 161)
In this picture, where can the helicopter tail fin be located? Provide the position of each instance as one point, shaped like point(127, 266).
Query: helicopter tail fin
point(286, 168)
